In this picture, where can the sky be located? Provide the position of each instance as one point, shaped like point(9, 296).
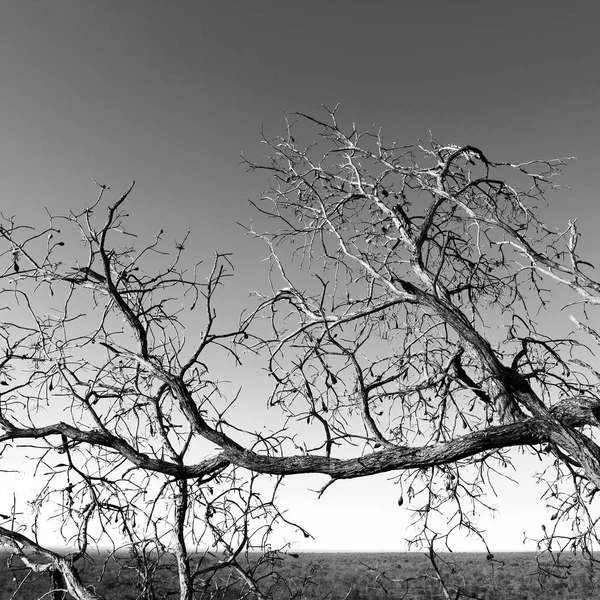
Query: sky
point(170, 93)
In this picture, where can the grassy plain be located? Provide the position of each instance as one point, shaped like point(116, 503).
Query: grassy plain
point(355, 576)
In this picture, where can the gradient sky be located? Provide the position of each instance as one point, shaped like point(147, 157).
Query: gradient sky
point(170, 93)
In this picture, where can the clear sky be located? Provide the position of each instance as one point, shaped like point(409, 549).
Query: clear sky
point(170, 93)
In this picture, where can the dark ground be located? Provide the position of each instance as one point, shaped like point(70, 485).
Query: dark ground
point(368, 576)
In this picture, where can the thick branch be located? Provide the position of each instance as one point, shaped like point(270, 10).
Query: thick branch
point(24, 545)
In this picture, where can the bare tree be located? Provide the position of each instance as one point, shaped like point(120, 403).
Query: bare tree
point(400, 328)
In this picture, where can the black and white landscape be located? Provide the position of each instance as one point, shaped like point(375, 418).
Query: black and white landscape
point(299, 300)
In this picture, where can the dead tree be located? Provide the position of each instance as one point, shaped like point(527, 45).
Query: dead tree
point(400, 324)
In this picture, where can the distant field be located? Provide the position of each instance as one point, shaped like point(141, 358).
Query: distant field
point(390, 576)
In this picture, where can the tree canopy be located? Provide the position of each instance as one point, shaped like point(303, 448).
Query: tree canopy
point(405, 331)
